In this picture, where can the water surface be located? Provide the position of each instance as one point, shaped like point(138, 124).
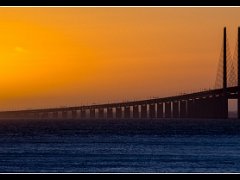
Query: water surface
point(120, 146)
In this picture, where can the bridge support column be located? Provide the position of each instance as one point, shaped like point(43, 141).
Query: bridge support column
point(168, 110)
point(32, 115)
point(207, 108)
point(224, 103)
point(23, 115)
point(92, 113)
point(215, 104)
point(40, 115)
point(159, 110)
point(220, 107)
point(144, 111)
point(55, 115)
point(83, 113)
point(36, 115)
point(127, 112)
point(74, 114)
point(14, 115)
point(20, 115)
point(8, 115)
point(64, 114)
point(152, 111)
point(135, 111)
point(191, 108)
point(238, 68)
point(175, 109)
point(118, 112)
point(210, 107)
point(101, 113)
point(215, 108)
point(203, 108)
point(44, 115)
point(198, 108)
point(26, 115)
point(183, 109)
point(109, 113)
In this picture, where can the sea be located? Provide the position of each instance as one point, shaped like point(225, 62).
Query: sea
point(120, 146)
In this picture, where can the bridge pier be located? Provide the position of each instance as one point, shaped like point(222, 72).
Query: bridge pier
point(175, 109)
point(152, 111)
point(127, 112)
point(223, 108)
point(118, 112)
point(44, 115)
point(191, 108)
point(159, 110)
point(206, 107)
point(144, 111)
point(32, 115)
point(101, 113)
point(215, 108)
point(109, 113)
point(21, 115)
point(83, 113)
point(74, 114)
point(135, 111)
point(55, 115)
point(168, 110)
point(64, 114)
point(219, 107)
point(36, 115)
point(206, 104)
point(27, 115)
point(203, 107)
point(210, 107)
point(92, 113)
point(183, 109)
point(6, 115)
point(198, 108)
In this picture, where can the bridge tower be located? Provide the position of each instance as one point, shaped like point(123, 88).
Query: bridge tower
point(238, 69)
point(224, 60)
point(224, 103)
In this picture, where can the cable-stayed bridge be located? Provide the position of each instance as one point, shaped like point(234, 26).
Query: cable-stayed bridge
point(209, 104)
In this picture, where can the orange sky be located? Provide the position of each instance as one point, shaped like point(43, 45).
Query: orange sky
point(71, 56)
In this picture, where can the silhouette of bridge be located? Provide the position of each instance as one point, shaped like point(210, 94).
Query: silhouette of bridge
point(210, 104)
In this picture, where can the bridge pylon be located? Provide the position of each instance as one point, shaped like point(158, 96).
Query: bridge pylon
point(225, 98)
point(238, 69)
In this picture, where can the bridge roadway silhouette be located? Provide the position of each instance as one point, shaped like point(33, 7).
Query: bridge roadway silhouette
point(210, 104)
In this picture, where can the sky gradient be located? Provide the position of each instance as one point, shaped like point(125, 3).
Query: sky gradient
point(53, 57)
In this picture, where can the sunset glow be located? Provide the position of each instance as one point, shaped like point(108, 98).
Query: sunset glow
point(72, 56)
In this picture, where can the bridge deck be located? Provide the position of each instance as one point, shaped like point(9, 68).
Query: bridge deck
point(231, 94)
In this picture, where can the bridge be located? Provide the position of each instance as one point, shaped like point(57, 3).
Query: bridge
point(209, 104)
